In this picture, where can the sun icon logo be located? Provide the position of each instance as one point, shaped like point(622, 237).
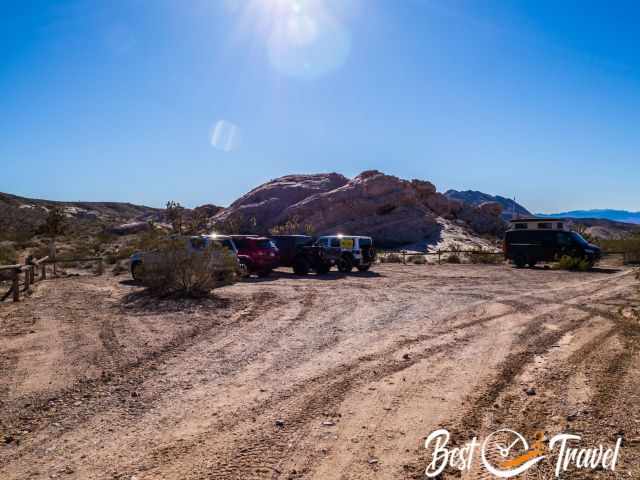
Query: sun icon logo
point(506, 453)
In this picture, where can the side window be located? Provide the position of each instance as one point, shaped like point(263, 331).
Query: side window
point(365, 243)
point(563, 239)
point(521, 226)
point(545, 226)
point(560, 226)
point(335, 242)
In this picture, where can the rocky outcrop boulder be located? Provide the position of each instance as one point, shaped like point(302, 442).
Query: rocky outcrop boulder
point(388, 208)
point(485, 218)
point(266, 202)
point(130, 228)
point(392, 210)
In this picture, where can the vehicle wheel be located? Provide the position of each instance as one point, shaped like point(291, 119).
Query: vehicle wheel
point(264, 273)
point(323, 269)
point(364, 268)
point(300, 267)
point(345, 264)
point(520, 261)
point(136, 271)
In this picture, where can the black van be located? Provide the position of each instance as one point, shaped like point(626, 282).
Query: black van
point(300, 253)
point(530, 246)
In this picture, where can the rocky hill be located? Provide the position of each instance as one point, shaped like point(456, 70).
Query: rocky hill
point(392, 210)
point(606, 229)
point(623, 216)
point(473, 197)
point(22, 217)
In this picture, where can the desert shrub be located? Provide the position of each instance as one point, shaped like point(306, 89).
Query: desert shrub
point(417, 259)
point(98, 268)
point(147, 241)
point(630, 246)
point(391, 258)
point(119, 268)
point(8, 254)
point(105, 237)
point(81, 250)
point(573, 263)
point(126, 251)
point(292, 226)
point(454, 258)
point(487, 258)
point(177, 271)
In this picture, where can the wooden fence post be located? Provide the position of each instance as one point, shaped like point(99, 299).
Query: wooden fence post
point(32, 274)
point(16, 285)
point(27, 278)
point(438, 256)
point(43, 272)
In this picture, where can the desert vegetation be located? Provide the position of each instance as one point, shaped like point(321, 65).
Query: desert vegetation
point(629, 246)
point(176, 271)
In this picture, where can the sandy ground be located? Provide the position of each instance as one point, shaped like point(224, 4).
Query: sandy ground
point(333, 377)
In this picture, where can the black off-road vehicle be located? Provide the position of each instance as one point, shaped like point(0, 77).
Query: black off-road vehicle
point(532, 240)
point(353, 251)
point(299, 253)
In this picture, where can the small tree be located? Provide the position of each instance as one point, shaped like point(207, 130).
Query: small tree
point(175, 214)
point(197, 222)
point(55, 225)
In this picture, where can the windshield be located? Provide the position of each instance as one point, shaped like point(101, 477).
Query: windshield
point(264, 244)
point(579, 239)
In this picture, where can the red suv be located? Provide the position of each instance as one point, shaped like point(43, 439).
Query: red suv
point(258, 254)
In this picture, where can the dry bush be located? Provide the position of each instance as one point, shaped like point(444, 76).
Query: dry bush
point(177, 271)
point(573, 263)
point(486, 258)
point(630, 246)
point(391, 258)
point(293, 226)
point(118, 269)
point(8, 254)
point(453, 258)
point(417, 259)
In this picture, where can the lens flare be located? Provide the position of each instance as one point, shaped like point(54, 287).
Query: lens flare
point(304, 38)
point(225, 136)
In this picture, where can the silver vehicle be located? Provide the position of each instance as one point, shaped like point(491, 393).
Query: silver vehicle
point(354, 251)
point(193, 244)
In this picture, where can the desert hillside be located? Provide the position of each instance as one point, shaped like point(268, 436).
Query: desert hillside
point(396, 212)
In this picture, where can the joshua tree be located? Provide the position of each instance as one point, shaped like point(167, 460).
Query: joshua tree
point(175, 213)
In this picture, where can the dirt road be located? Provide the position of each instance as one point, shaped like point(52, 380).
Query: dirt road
point(335, 377)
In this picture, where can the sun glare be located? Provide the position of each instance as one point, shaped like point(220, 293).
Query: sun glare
point(304, 38)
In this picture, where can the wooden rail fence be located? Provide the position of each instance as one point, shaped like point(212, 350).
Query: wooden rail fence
point(33, 271)
point(408, 254)
point(628, 258)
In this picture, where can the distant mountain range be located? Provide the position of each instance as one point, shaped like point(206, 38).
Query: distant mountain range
point(509, 207)
point(607, 214)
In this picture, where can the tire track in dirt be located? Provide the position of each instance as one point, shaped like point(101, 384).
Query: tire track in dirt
point(39, 410)
point(330, 390)
point(534, 341)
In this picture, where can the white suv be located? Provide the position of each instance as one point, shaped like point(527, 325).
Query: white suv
point(355, 251)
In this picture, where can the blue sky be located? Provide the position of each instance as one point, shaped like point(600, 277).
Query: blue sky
point(199, 101)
